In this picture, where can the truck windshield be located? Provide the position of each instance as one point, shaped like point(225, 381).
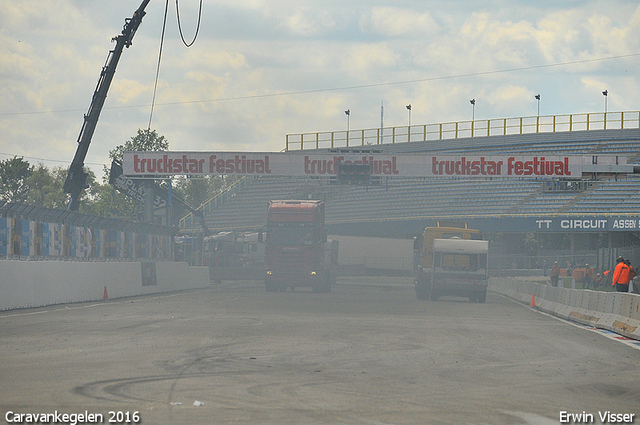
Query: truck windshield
point(292, 234)
point(460, 262)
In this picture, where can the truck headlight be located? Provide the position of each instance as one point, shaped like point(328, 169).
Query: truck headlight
point(313, 273)
point(269, 273)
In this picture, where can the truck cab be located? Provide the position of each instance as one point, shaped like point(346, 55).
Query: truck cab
point(295, 246)
point(233, 256)
point(454, 262)
point(459, 269)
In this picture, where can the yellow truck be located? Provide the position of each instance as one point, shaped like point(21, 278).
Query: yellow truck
point(454, 262)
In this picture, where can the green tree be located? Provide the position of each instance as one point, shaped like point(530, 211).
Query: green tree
point(145, 140)
point(197, 191)
point(14, 176)
point(106, 202)
point(554, 241)
point(45, 187)
point(91, 194)
point(193, 191)
point(530, 242)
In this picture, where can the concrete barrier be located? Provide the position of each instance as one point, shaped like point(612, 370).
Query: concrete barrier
point(635, 308)
point(39, 283)
point(614, 311)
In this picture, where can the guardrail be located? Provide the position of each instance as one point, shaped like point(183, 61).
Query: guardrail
point(617, 312)
point(464, 129)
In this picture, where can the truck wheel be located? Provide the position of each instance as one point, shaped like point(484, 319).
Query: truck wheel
point(421, 291)
point(482, 296)
point(422, 288)
point(433, 295)
point(322, 286)
point(327, 285)
point(271, 286)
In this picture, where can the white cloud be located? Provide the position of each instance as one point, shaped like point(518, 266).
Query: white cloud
point(363, 60)
point(307, 22)
point(51, 54)
point(395, 22)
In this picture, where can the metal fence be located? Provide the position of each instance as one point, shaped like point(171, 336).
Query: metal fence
point(34, 233)
point(464, 129)
point(601, 259)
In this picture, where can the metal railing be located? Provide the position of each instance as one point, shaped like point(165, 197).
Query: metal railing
point(464, 129)
point(207, 207)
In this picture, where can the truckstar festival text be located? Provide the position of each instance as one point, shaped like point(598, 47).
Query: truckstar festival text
point(141, 164)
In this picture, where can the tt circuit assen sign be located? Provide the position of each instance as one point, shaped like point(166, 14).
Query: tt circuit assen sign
point(195, 164)
point(555, 224)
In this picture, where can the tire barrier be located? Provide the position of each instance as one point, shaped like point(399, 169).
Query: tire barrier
point(614, 311)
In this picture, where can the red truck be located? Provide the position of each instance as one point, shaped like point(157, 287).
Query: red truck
point(295, 253)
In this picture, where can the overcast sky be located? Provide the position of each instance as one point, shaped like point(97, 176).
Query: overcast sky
point(261, 69)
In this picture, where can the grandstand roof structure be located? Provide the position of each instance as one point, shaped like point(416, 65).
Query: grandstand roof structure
point(404, 206)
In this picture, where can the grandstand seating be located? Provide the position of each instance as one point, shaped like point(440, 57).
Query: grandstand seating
point(403, 199)
point(247, 208)
point(611, 197)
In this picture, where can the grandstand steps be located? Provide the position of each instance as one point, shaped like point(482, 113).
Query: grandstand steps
point(515, 208)
point(597, 148)
point(210, 206)
point(246, 209)
point(566, 207)
point(634, 159)
point(589, 142)
point(402, 203)
point(318, 189)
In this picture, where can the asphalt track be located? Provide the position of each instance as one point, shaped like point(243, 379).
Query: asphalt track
point(366, 353)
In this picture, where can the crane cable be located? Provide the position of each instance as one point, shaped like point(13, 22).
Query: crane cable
point(197, 27)
point(155, 84)
point(164, 26)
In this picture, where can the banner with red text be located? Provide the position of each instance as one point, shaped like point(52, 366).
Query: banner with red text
point(198, 164)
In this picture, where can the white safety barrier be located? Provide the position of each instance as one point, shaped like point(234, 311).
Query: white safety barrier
point(26, 284)
point(615, 311)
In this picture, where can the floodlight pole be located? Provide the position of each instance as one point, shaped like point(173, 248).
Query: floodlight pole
point(606, 96)
point(348, 112)
point(473, 114)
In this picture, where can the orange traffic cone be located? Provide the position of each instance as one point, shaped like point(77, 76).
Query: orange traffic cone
point(105, 296)
point(531, 304)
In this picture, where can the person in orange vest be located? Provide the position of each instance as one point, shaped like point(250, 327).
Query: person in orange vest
point(632, 273)
point(589, 279)
point(555, 274)
point(621, 276)
point(599, 281)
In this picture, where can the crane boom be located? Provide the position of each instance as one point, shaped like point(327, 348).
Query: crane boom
point(76, 179)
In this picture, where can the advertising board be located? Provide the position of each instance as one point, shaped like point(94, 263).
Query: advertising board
point(200, 164)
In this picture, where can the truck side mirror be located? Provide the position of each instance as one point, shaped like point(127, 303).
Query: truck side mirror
point(260, 238)
point(324, 237)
